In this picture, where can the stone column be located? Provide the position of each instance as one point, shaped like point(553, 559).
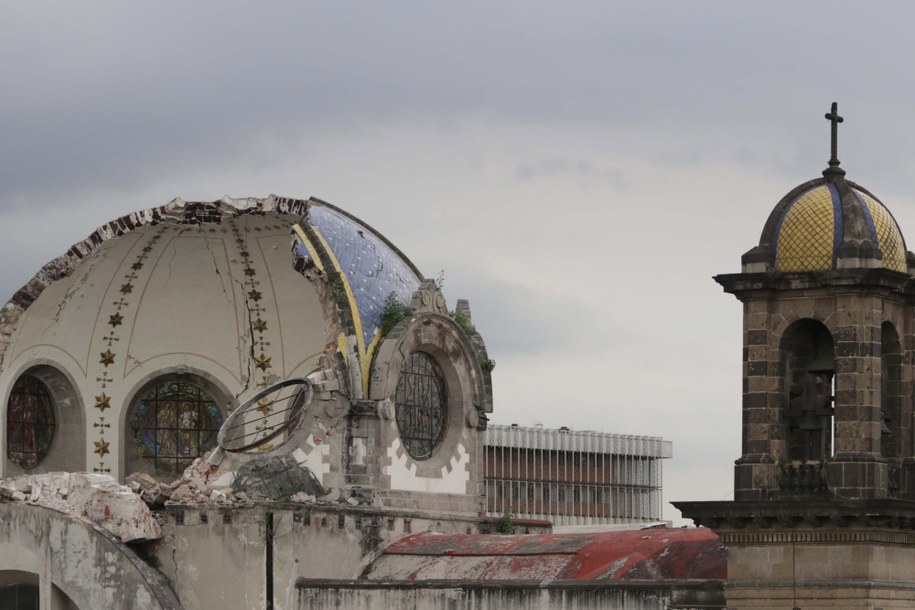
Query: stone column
point(856, 469)
point(756, 472)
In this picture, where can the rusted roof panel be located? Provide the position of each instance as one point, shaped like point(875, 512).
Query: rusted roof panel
point(433, 543)
point(652, 554)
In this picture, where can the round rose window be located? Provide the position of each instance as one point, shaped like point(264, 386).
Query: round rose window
point(421, 405)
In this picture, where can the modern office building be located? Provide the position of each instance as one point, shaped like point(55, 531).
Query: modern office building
point(573, 477)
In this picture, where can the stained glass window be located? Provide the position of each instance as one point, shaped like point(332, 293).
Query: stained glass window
point(173, 424)
point(421, 405)
point(29, 422)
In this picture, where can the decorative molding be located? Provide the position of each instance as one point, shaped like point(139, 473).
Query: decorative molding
point(428, 299)
point(120, 315)
point(814, 537)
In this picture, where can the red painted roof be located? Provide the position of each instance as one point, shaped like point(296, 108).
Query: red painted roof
point(652, 554)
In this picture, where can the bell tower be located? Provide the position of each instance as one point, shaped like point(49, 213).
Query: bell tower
point(824, 488)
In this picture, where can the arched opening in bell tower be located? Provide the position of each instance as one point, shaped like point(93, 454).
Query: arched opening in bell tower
point(892, 427)
point(808, 354)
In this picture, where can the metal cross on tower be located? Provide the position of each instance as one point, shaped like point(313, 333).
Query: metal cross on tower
point(833, 117)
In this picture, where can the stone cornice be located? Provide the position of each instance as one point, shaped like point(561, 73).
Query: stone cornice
point(750, 517)
point(892, 281)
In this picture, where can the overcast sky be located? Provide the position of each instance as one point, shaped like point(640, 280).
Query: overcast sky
point(578, 170)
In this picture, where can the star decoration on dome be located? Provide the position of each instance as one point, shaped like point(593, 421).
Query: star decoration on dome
point(259, 325)
point(102, 402)
point(249, 271)
point(107, 357)
point(263, 362)
point(126, 288)
point(115, 319)
point(254, 295)
point(265, 405)
point(101, 447)
point(137, 266)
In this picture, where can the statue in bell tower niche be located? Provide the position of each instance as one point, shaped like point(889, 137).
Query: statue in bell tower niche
point(810, 417)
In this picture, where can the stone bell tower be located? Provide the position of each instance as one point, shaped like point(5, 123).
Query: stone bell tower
point(824, 490)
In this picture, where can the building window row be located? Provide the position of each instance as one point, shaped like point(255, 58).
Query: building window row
point(558, 499)
point(170, 424)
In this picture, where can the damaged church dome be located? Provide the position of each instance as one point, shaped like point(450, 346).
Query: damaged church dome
point(129, 352)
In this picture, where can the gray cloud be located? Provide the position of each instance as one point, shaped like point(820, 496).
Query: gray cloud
point(580, 168)
point(125, 95)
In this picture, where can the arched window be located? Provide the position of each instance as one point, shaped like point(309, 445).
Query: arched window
point(174, 422)
point(421, 403)
point(30, 422)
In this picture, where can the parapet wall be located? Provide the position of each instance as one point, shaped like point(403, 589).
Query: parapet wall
point(495, 595)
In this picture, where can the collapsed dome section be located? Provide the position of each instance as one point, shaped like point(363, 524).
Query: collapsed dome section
point(164, 320)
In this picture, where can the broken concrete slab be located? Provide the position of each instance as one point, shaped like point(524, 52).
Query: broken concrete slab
point(150, 490)
point(98, 498)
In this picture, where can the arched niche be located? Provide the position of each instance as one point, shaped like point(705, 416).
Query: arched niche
point(895, 428)
point(50, 391)
point(808, 366)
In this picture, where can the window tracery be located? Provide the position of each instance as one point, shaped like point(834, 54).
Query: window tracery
point(421, 403)
point(173, 423)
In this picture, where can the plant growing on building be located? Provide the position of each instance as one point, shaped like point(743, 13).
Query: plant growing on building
point(393, 312)
point(462, 321)
point(440, 281)
point(337, 288)
point(488, 364)
point(506, 523)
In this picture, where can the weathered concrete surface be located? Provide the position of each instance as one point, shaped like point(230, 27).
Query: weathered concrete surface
point(236, 555)
point(502, 595)
point(87, 563)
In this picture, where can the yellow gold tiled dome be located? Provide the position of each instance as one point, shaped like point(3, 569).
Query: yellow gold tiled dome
point(810, 226)
point(889, 239)
point(806, 237)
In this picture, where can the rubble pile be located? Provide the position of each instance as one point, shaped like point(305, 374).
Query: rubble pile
point(97, 498)
point(231, 481)
point(127, 510)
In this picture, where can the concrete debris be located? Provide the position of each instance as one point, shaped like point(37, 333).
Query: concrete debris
point(224, 480)
point(150, 490)
point(233, 480)
point(95, 497)
point(203, 482)
point(357, 496)
point(180, 493)
point(218, 496)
